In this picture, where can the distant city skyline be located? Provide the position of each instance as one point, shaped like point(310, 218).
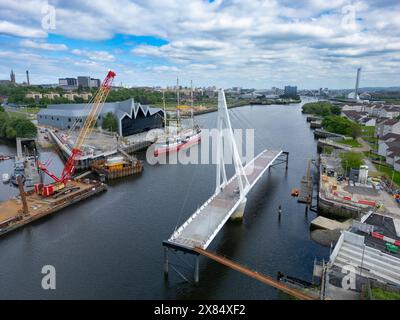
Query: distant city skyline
point(251, 44)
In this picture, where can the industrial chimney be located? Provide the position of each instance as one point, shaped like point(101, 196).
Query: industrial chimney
point(27, 77)
point(357, 83)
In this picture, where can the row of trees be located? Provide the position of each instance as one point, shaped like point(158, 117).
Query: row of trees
point(321, 108)
point(16, 94)
point(12, 126)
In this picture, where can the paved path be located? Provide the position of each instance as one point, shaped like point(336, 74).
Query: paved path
point(364, 146)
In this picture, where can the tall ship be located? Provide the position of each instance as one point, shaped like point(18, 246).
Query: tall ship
point(177, 136)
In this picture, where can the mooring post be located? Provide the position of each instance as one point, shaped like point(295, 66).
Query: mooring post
point(196, 270)
point(166, 262)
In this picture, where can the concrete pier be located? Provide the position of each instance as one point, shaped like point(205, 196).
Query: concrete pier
point(238, 214)
point(305, 195)
point(321, 222)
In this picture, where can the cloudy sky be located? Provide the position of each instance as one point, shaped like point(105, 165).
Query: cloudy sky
point(252, 43)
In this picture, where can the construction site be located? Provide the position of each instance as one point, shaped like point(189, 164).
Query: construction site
point(351, 197)
point(66, 189)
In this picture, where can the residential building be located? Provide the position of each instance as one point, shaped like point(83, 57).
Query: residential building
point(360, 117)
point(34, 95)
point(72, 95)
point(390, 111)
point(384, 142)
point(51, 95)
point(131, 117)
point(368, 121)
point(354, 115)
point(85, 95)
point(387, 126)
point(392, 154)
point(355, 107)
point(376, 111)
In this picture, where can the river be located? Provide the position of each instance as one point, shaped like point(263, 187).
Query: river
point(109, 247)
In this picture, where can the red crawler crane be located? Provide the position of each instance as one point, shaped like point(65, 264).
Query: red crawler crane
point(70, 165)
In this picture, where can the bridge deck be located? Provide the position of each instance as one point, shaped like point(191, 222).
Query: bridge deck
point(202, 227)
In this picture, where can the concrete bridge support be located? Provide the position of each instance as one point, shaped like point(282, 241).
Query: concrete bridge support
point(238, 214)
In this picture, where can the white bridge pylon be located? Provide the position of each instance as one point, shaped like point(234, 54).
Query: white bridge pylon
point(225, 135)
point(229, 199)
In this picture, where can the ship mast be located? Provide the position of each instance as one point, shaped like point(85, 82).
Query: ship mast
point(191, 103)
point(165, 113)
point(177, 96)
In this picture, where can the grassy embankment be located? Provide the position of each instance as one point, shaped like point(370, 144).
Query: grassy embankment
point(380, 294)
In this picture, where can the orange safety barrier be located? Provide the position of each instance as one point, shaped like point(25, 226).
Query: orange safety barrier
point(367, 202)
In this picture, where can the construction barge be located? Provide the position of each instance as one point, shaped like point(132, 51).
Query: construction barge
point(116, 167)
point(29, 206)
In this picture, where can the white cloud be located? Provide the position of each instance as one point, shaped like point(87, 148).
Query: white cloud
point(95, 55)
point(164, 69)
point(43, 45)
point(14, 29)
point(227, 41)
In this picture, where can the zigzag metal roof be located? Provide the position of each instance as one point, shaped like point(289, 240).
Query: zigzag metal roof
point(120, 109)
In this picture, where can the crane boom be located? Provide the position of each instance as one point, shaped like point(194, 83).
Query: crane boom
point(95, 110)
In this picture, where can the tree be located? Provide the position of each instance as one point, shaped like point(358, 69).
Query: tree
point(321, 108)
point(351, 160)
point(110, 122)
point(1, 109)
point(336, 110)
point(340, 125)
point(12, 127)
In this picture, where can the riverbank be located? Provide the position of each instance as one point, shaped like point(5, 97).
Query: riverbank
point(237, 105)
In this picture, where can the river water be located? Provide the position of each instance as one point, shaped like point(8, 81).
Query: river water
point(109, 247)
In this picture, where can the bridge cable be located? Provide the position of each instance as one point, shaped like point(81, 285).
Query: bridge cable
point(246, 124)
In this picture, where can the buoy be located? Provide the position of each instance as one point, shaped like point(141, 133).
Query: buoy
point(295, 192)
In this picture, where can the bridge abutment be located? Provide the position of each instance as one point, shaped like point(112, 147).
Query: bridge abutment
point(239, 212)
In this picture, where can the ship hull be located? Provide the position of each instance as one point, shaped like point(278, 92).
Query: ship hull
point(159, 150)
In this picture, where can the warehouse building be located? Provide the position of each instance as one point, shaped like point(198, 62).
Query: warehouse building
point(132, 117)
